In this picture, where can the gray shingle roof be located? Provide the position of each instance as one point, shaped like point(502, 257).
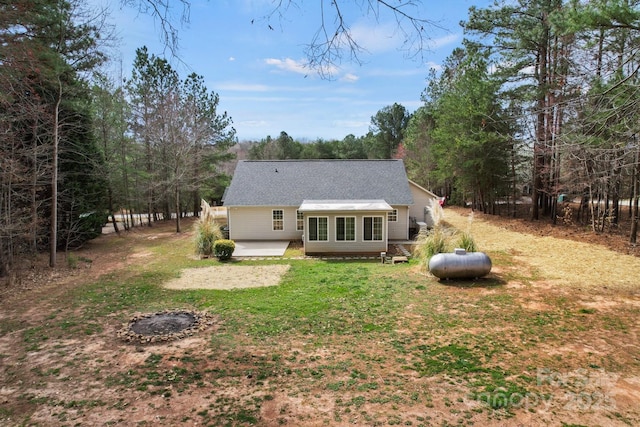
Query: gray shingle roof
point(289, 182)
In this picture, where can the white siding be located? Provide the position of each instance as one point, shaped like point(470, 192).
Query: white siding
point(344, 247)
point(399, 230)
point(424, 201)
point(256, 223)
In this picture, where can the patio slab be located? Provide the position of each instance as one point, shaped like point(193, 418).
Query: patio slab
point(262, 248)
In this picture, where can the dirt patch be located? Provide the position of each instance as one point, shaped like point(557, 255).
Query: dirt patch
point(229, 277)
point(615, 237)
point(565, 257)
point(106, 254)
point(566, 306)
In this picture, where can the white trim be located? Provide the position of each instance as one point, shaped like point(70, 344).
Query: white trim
point(424, 189)
point(344, 205)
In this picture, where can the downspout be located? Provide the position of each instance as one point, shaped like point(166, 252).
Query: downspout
point(408, 222)
point(385, 230)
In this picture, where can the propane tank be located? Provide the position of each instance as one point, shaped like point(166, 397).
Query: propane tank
point(460, 265)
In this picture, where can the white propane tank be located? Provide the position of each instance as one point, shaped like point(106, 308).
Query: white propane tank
point(460, 265)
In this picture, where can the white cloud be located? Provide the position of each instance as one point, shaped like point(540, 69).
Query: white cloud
point(349, 78)
point(433, 66)
point(231, 59)
point(301, 67)
point(377, 38)
point(443, 41)
point(288, 64)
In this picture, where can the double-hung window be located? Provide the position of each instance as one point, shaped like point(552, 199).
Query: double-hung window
point(393, 216)
point(372, 228)
point(277, 217)
point(345, 229)
point(299, 221)
point(318, 230)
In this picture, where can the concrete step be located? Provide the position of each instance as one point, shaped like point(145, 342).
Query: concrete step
point(403, 250)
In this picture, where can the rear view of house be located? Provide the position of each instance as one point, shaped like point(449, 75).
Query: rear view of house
point(333, 206)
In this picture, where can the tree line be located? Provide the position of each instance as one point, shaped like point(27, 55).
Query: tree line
point(563, 77)
point(541, 101)
point(381, 142)
point(77, 147)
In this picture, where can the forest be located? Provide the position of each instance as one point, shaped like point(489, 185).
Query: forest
point(539, 103)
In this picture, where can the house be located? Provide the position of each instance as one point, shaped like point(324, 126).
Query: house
point(333, 206)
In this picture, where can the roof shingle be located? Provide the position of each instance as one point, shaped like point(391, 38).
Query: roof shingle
point(289, 182)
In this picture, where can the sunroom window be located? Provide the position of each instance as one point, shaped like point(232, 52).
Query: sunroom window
point(345, 229)
point(372, 228)
point(318, 229)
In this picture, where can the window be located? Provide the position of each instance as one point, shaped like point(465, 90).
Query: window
point(345, 229)
point(392, 216)
point(372, 228)
point(299, 221)
point(318, 230)
point(277, 216)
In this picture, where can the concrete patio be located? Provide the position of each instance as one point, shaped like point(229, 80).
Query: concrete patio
point(260, 248)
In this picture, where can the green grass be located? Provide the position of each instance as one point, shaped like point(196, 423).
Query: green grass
point(314, 298)
point(372, 337)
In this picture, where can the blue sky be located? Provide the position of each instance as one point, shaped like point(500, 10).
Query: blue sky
point(259, 73)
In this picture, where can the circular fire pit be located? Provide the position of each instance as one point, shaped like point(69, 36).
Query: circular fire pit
point(164, 326)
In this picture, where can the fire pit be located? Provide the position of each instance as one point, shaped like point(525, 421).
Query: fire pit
point(164, 326)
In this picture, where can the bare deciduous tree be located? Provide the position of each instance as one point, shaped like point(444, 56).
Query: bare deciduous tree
point(333, 40)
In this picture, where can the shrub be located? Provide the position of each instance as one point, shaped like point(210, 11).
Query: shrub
point(466, 242)
point(442, 239)
point(224, 248)
point(206, 234)
point(432, 242)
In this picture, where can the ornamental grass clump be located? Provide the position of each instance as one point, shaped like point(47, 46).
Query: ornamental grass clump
point(466, 242)
point(207, 231)
point(432, 242)
point(442, 239)
point(206, 234)
point(465, 239)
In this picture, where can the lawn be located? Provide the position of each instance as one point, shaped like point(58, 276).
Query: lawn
point(550, 337)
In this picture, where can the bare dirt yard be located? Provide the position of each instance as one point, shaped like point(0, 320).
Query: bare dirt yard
point(236, 277)
point(557, 323)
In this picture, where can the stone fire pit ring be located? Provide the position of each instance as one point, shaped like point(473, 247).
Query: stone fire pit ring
point(164, 326)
